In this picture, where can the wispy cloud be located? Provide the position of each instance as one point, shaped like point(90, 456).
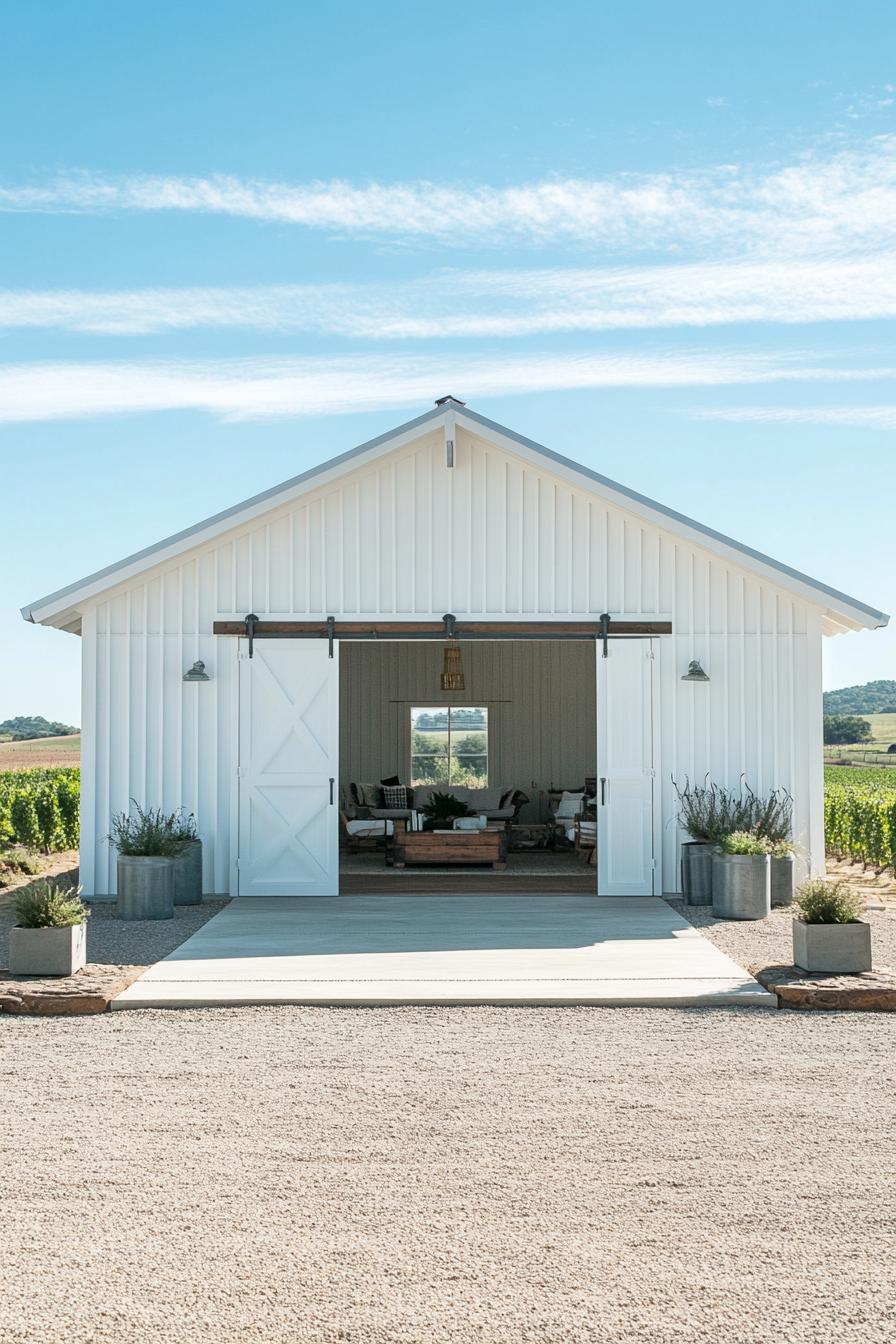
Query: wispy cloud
point(860, 417)
point(469, 304)
point(820, 202)
point(251, 389)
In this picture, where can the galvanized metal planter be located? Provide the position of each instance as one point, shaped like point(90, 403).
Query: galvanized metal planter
point(145, 887)
point(47, 951)
point(782, 880)
point(696, 872)
point(741, 886)
point(833, 949)
point(188, 875)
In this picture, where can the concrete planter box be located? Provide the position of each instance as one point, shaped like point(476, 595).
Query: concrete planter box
point(834, 949)
point(188, 875)
point(741, 886)
point(696, 872)
point(782, 881)
point(145, 887)
point(47, 951)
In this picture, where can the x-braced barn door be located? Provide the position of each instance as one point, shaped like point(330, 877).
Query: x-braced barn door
point(288, 768)
point(625, 801)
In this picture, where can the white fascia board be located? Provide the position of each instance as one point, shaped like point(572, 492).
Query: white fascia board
point(844, 613)
point(61, 608)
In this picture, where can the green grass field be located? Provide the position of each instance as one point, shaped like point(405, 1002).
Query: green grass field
point(883, 732)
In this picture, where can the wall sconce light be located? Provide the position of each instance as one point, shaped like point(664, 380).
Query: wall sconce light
point(197, 672)
point(695, 672)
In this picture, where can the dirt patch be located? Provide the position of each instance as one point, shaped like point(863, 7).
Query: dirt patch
point(41, 753)
point(62, 866)
point(867, 881)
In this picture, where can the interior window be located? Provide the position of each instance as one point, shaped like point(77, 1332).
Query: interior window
point(449, 745)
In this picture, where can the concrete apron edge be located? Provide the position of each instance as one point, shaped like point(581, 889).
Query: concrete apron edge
point(716, 996)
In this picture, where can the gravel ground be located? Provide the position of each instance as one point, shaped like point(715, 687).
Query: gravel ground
point(140, 942)
point(277, 1175)
point(755, 943)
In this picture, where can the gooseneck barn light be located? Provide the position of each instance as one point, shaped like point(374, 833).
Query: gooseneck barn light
point(695, 672)
point(197, 672)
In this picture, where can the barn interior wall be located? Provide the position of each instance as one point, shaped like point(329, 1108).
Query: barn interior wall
point(540, 696)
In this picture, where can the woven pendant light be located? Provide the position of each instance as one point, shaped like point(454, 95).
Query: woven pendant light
point(452, 669)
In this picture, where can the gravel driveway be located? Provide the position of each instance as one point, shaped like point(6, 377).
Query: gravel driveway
point(442, 1175)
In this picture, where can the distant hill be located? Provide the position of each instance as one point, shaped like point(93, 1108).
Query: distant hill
point(875, 697)
point(27, 726)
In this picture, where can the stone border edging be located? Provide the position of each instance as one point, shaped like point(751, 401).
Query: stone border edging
point(868, 992)
point(90, 990)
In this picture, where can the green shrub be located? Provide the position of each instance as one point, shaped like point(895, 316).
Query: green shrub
point(183, 826)
point(148, 834)
point(821, 902)
point(860, 815)
point(708, 812)
point(22, 860)
point(39, 808)
point(49, 819)
point(49, 906)
point(68, 793)
point(441, 808)
point(773, 816)
point(24, 819)
point(743, 842)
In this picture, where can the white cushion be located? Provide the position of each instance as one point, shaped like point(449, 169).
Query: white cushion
point(587, 830)
point(570, 805)
point(368, 826)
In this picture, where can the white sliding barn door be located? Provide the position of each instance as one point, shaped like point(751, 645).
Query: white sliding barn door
point(289, 764)
point(625, 769)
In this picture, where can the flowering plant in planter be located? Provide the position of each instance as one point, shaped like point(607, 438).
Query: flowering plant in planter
point(707, 812)
point(188, 863)
point(828, 935)
point(148, 834)
point(49, 937)
point(149, 842)
point(741, 881)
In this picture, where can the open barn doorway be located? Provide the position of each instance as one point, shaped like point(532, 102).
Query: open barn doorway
point(445, 765)
point(468, 766)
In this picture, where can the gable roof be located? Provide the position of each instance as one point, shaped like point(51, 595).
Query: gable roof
point(842, 612)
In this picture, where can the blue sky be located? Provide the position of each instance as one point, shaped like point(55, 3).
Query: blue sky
point(239, 239)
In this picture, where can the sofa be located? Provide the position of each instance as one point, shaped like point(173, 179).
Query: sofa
point(496, 803)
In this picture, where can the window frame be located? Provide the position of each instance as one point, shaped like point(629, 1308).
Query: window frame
point(452, 732)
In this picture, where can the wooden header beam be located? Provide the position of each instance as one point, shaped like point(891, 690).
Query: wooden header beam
point(436, 629)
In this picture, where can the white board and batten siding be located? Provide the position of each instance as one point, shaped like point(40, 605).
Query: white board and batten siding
point(497, 536)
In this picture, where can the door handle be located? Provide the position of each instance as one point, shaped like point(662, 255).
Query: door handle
point(332, 782)
point(603, 791)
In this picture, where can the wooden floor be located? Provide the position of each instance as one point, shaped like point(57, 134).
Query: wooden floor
point(540, 872)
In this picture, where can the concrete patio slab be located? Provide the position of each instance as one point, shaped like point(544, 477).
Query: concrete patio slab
point(375, 950)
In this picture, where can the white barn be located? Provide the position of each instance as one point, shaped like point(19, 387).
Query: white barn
point(350, 569)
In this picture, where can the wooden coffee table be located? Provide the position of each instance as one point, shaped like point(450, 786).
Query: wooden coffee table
point(448, 847)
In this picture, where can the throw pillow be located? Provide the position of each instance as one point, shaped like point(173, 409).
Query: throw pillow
point(395, 795)
point(392, 780)
point(570, 805)
point(369, 795)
